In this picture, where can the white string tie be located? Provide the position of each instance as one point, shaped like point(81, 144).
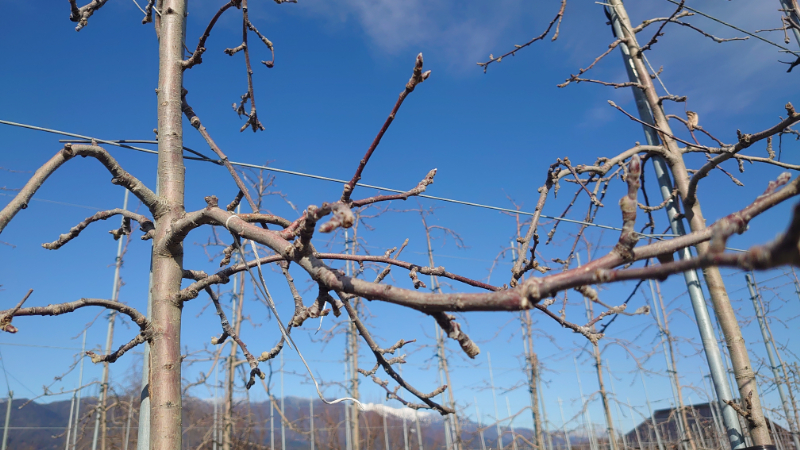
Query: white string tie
point(228, 219)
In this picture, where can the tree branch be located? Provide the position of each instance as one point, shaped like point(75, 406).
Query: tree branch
point(378, 352)
point(438, 271)
point(112, 357)
point(416, 78)
point(419, 189)
point(145, 224)
point(745, 140)
point(64, 308)
point(121, 177)
point(82, 14)
point(517, 48)
point(227, 330)
point(197, 56)
point(5, 322)
point(527, 293)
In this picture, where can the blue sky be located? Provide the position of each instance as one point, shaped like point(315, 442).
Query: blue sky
point(338, 70)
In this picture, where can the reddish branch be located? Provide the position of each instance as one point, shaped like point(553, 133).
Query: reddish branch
point(438, 271)
point(304, 227)
point(534, 289)
point(416, 78)
point(785, 250)
point(524, 296)
point(419, 189)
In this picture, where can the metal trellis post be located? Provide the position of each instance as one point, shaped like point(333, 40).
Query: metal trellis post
point(702, 317)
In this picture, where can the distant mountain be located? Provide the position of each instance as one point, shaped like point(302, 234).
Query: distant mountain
point(33, 426)
point(43, 426)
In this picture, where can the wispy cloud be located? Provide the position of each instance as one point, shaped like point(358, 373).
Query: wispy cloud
point(463, 32)
point(717, 77)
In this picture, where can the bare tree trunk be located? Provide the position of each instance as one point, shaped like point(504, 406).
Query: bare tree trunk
point(787, 382)
point(612, 435)
point(230, 368)
point(785, 376)
point(676, 379)
point(533, 378)
point(451, 399)
point(772, 355)
point(719, 297)
point(167, 262)
point(598, 364)
point(353, 351)
point(352, 344)
point(104, 385)
point(110, 335)
point(435, 287)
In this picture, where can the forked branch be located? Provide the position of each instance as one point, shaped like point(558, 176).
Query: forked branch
point(417, 77)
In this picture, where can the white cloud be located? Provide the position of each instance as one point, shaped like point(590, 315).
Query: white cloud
point(465, 31)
